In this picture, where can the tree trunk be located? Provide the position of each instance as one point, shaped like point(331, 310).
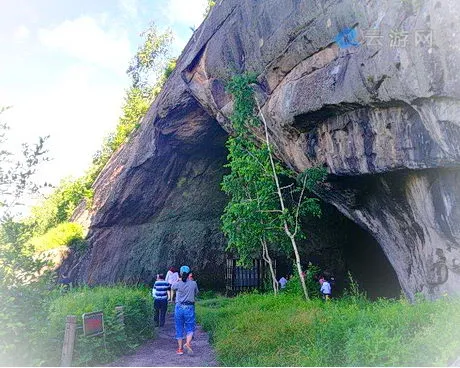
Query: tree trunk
point(299, 268)
point(280, 197)
point(267, 258)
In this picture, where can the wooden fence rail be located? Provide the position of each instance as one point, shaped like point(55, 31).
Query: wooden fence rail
point(69, 341)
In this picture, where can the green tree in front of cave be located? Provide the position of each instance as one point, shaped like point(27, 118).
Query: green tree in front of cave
point(262, 215)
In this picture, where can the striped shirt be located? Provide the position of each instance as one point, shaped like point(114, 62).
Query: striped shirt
point(159, 290)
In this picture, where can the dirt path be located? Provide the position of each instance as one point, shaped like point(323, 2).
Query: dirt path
point(161, 352)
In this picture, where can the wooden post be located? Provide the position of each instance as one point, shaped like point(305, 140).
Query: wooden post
point(69, 341)
point(120, 315)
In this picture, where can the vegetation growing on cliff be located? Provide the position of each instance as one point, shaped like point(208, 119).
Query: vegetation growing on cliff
point(209, 6)
point(66, 233)
point(262, 216)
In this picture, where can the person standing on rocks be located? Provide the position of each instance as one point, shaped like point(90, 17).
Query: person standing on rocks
point(184, 312)
point(172, 276)
point(160, 303)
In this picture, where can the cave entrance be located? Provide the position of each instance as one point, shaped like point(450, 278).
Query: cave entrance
point(337, 245)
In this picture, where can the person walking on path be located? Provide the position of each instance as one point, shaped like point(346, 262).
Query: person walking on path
point(172, 276)
point(160, 303)
point(184, 312)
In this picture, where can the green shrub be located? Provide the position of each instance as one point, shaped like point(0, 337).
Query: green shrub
point(23, 317)
point(33, 322)
point(59, 206)
point(264, 330)
point(67, 233)
point(94, 350)
point(294, 286)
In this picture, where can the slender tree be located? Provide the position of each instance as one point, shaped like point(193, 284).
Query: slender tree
point(16, 181)
point(151, 57)
point(261, 210)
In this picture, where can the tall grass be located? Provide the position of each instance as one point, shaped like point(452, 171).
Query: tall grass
point(264, 330)
point(39, 324)
point(137, 304)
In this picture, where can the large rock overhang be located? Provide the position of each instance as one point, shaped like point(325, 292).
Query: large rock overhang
point(158, 201)
point(383, 119)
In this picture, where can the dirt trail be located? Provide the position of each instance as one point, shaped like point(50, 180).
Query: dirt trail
point(161, 352)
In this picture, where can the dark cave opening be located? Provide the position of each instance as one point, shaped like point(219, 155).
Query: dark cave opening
point(338, 246)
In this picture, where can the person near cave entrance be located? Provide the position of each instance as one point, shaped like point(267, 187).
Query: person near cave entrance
point(184, 312)
point(325, 288)
point(172, 276)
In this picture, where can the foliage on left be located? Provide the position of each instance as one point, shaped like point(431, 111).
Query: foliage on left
point(33, 323)
point(20, 285)
point(27, 286)
point(16, 179)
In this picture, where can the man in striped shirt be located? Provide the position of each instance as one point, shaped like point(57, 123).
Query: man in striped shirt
point(160, 303)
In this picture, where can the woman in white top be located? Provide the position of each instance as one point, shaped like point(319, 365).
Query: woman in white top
point(172, 276)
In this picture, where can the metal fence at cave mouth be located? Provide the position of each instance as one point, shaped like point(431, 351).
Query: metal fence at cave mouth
point(239, 279)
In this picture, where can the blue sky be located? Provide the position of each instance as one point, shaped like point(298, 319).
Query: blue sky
point(62, 68)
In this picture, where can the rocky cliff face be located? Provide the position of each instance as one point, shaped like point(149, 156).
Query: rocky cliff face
point(158, 202)
point(367, 88)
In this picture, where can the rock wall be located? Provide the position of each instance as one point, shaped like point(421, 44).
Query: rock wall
point(158, 203)
point(381, 114)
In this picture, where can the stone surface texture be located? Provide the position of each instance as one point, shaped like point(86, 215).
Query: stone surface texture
point(383, 115)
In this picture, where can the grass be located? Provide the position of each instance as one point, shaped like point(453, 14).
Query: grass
point(34, 322)
point(137, 304)
point(264, 330)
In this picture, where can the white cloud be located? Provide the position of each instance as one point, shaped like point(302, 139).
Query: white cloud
point(186, 12)
point(86, 40)
point(21, 33)
point(77, 112)
point(130, 7)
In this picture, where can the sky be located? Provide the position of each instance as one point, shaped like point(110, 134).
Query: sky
point(62, 69)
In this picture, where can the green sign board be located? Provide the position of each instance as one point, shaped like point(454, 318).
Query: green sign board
point(93, 323)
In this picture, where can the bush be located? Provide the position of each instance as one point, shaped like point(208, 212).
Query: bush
point(33, 322)
point(67, 233)
point(284, 330)
point(59, 206)
point(23, 317)
point(294, 286)
point(89, 351)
